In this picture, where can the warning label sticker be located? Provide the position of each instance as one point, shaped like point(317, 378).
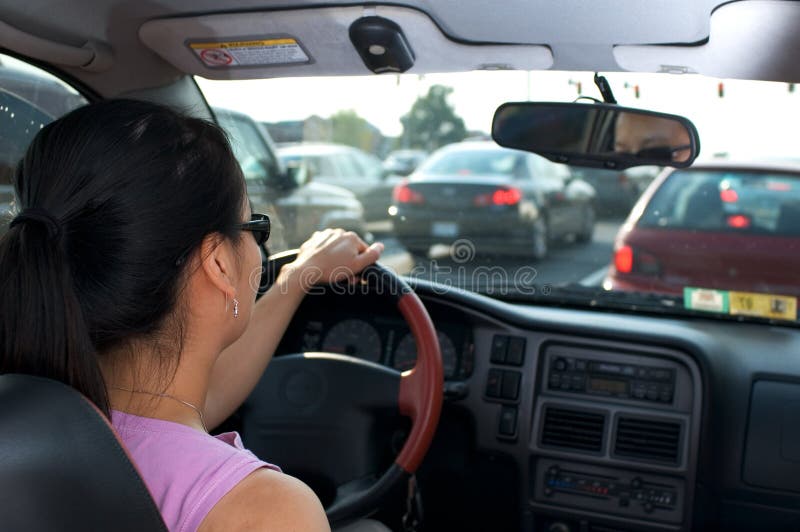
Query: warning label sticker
point(248, 53)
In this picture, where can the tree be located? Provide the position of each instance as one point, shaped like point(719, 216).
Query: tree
point(349, 128)
point(432, 122)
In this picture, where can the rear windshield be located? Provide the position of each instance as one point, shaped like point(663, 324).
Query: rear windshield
point(727, 200)
point(477, 162)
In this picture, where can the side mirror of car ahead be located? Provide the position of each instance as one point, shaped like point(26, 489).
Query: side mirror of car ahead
point(596, 135)
point(299, 172)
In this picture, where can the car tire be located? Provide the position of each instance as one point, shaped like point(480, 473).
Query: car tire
point(587, 225)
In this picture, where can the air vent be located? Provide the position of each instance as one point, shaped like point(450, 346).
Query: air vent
point(573, 429)
point(648, 439)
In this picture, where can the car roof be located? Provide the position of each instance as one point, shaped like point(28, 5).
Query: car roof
point(314, 148)
point(778, 166)
point(117, 37)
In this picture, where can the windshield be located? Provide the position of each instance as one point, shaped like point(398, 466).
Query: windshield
point(483, 162)
point(514, 225)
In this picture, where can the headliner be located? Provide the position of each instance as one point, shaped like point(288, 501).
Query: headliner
point(702, 36)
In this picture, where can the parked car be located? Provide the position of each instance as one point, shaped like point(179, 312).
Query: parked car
point(403, 162)
point(723, 226)
point(347, 167)
point(297, 206)
point(505, 201)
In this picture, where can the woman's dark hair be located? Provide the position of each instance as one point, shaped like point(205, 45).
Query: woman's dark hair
point(114, 197)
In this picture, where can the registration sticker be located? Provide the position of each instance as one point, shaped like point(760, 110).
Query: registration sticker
point(763, 305)
point(741, 303)
point(705, 300)
point(250, 52)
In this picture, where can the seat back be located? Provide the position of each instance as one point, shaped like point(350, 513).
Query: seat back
point(62, 467)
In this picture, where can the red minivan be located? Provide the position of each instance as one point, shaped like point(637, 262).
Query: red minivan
point(721, 226)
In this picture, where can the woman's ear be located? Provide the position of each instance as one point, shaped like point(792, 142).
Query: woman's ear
point(218, 262)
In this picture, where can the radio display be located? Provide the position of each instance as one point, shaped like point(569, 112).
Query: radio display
point(611, 386)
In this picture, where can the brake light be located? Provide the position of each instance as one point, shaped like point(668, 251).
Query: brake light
point(778, 186)
point(623, 259)
point(729, 195)
point(501, 196)
point(626, 260)
point(507, 196)
point(402, 193)
point(739, 221)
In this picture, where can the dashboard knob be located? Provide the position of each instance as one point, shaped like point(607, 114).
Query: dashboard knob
point(558, 526)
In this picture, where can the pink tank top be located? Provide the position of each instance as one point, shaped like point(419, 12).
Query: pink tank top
point(186, 471)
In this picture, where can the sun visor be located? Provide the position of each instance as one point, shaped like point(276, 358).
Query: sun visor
point(315, 42)
point(748, 40)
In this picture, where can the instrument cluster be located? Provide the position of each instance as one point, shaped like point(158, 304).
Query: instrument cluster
point(386, 340)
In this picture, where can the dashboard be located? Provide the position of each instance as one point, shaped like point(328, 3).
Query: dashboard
point(570, 420)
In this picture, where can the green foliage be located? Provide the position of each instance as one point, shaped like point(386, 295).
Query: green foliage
point(432, 122)
point(349, 128)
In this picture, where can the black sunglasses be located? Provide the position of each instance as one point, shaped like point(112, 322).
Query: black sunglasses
point(259, 225)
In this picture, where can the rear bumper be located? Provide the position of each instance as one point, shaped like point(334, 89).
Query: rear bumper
point(494, 233)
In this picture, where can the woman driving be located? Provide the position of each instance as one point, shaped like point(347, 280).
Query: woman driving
point(130, 273)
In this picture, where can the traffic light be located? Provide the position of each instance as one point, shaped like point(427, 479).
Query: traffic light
point(580, 88)
point(721, 89)
point(791, 87)
point(636, 90)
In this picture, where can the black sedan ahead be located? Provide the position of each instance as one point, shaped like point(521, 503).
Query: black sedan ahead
point(507, 202)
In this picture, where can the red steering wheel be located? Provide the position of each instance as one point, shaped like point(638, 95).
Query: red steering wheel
point(321, 407)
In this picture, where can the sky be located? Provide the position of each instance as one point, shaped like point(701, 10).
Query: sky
point(752, 119)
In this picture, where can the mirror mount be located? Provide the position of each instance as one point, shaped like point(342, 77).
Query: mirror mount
point(605, 88)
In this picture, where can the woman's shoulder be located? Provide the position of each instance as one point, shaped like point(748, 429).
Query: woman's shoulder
point(267, 500)
point(187, 471)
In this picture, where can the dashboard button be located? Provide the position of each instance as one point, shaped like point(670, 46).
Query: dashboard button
point(510, 387)
point(516, 351)
point(499, 348)
point(560, 364)
point(580, 365)
point(508, 421)
point(494, 383)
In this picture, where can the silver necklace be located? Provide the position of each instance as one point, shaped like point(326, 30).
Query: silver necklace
point(168, 396)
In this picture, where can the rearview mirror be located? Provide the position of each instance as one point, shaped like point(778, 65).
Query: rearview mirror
point(596, 135)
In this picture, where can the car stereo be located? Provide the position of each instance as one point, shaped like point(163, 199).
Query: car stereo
point(576, 374)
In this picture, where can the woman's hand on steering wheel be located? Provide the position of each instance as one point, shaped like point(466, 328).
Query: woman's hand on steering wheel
point(330, 256)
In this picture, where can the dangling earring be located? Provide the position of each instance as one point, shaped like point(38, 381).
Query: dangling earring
point(226, 301)
point(235, 308)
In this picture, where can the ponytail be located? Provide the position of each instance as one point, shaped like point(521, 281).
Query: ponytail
point(42, 327)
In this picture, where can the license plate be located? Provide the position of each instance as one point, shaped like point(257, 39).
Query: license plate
point(444, 229)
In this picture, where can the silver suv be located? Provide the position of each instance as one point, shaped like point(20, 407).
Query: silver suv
point(297, 205)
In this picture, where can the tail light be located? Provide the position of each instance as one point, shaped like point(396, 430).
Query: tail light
point(402, 193)
point(501, 196)
point(729, 195)
point(738, 221)
point(628, 260)
point(623, 259)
